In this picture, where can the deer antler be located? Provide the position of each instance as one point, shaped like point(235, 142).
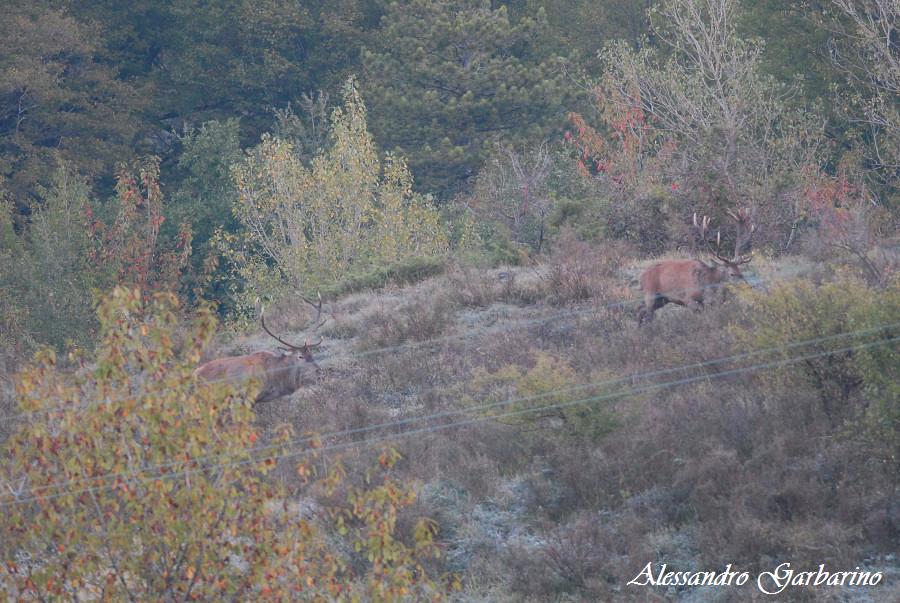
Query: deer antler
point(699, 232)
point(291, 346)
point(744, 235)
point(318, 308)
point(262, 320)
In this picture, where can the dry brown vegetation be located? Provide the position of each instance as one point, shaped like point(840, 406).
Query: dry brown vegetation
point(559, 446)
point(569, 504)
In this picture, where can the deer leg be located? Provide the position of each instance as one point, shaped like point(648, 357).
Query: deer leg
point(641, 313)
point(721, 295)
point(695, 303)
point(650, 305)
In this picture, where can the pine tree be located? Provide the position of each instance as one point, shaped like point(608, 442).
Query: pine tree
point(445, 78)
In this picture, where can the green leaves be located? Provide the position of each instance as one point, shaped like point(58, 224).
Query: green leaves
point(444, 78)
point(801, 311)
point(57, 100)
point(308, 226)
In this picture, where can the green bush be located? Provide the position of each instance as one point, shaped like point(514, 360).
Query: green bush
point(405, 272)
point(535, 389)
point(859, 387)
point(45, 286)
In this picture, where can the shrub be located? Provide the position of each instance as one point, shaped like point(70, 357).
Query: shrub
point(798, 311)
point(578, 270)
point(420, 320)
point(472, 287)
point(535, 389)
point(405, 272)
point(348, 212)
point(147, 486)
point(878, 365)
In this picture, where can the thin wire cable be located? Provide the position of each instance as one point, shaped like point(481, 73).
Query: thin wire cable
point(453, 412)
point(430, 429)
point(432, 341)
point(387, 437)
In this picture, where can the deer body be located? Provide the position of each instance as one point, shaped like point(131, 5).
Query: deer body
point(689, 283)
point(692, 283)
point(280, 374)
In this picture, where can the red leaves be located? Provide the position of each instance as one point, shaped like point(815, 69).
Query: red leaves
point(132, 241)
point(831, 200)
point(623, 147)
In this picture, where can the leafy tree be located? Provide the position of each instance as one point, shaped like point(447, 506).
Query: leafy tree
point(868, 51)
point(307, 128)
point(444, 78)
point(347, 212)
point(799, 48)
point(523, 191)
point(12, 328)
point(214, 60)
point(796, 43)
point(53, 265)
point(581, 27)
point(205, 195)
point(130, 248)
point(136, 482)
point(53, 276)
point(703, 119)
point(57, 100)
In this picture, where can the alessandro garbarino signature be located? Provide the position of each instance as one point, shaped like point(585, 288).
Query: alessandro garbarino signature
point(770, 583)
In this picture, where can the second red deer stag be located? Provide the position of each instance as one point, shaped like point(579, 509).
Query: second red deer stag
point(693, 283)
point(279, 373)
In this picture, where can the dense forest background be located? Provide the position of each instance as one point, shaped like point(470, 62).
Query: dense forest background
point(484, 180)
point(495, 107)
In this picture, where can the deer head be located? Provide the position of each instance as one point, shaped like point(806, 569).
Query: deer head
point(305, 350)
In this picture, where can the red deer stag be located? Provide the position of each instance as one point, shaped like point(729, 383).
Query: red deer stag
point(279, 374)
point(692, 283)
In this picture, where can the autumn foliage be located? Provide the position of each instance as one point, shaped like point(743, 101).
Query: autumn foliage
point(349, 212)
point(132, 242)
point(132, 481)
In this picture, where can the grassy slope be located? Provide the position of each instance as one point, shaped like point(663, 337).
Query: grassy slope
point(574, 505)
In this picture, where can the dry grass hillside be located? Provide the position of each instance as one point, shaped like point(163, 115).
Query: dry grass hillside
point(560, 447)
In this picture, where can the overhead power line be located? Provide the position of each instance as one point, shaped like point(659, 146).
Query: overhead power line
point(360, 354)
point(508, 414)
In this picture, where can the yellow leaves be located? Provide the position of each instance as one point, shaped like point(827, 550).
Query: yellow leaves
point(388, 458)
point(304, 471)
point(315, 224)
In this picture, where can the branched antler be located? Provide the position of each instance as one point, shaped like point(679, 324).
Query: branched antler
point(291, 346)
point(699, 234)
